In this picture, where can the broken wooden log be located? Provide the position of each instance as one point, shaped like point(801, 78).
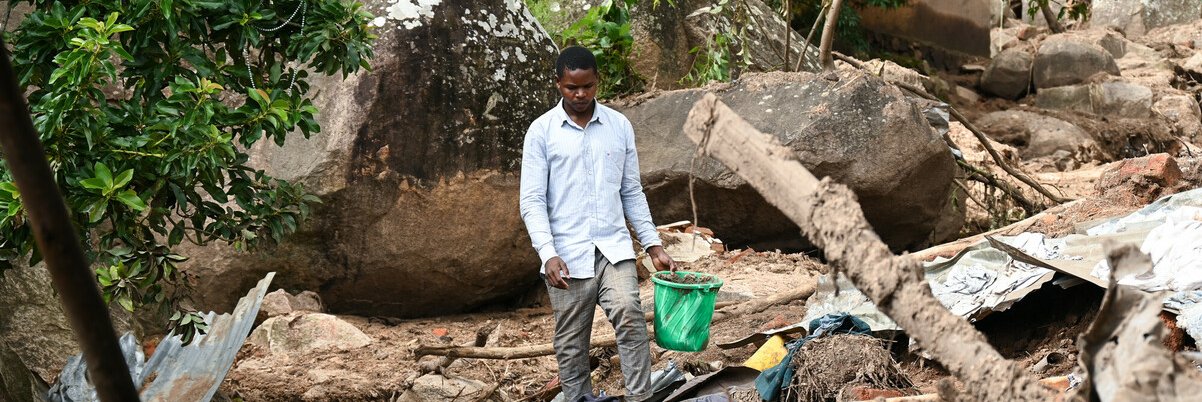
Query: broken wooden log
point(831, 219)
point(482, 335)
point(523, 352)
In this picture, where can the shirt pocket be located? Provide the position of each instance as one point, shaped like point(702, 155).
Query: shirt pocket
point(615, 162)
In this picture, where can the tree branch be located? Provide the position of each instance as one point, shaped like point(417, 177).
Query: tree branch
point(828, 35)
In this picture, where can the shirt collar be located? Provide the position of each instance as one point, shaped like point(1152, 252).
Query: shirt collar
point(564, 118)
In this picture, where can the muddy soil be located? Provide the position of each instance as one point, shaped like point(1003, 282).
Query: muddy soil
point(826, 366)
point(684, 279)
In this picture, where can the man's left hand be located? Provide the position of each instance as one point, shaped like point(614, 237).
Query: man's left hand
point(660, 259)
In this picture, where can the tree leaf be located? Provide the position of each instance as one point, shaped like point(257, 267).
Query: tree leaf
point(177, 235)
point(94, 183)
point(126, 303)
point(123, 178)
point(104, 174)
point(130, 199)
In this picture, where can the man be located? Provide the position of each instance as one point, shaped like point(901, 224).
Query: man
point(580, 185)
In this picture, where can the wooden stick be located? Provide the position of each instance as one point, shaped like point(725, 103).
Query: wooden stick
point(524, 352)
point(482, 335)
point(831, 219)
point(805, 50)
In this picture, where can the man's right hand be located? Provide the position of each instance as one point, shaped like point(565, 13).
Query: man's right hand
point(556, 271)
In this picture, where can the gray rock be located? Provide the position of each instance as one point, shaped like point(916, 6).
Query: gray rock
point(1137, 17)
point(17, 382)
point(1108, 39)
point(1113, 99)
point(1183, 111)
point(417, 166)
point(32, 321)
point(1009, 74)
point(1072, 98)
point(1036, 135)
point(280, 303)
point(437, 388)
point(1122, 99)
point(1002, 39)
point(299, 334)
point(1067, 60)
point(848, 125)
point(1193, 65)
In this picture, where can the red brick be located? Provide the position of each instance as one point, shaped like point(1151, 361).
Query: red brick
point(1174, 336)
point(1149, 174)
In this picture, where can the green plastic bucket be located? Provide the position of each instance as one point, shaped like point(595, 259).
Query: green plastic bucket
point(683, 311)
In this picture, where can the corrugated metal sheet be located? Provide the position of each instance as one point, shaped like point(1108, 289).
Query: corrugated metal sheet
point(192, 373)
point(175, 372)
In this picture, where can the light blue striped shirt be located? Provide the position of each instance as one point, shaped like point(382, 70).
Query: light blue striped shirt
point(580, 185)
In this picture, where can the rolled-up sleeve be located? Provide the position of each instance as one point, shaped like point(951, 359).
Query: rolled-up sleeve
point(634, 202)
point(533, 194)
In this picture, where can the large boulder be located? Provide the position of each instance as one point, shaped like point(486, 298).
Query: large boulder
point(1137, 17)
point(1068, 59)
point(417, 166)
point(1037, 135)
point(664, 37)
point(32, 321)
point(941, 28)
point(1009, 73)
point(848, 125)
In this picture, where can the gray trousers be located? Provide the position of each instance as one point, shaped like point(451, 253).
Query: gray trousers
point(616, 289)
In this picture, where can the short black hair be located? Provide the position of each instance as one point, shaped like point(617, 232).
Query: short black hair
point(575, 58)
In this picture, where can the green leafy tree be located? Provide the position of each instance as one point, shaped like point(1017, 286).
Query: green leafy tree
point(606, 31)
point(146, 108)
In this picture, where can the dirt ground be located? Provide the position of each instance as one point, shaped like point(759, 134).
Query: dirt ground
point(384, 369)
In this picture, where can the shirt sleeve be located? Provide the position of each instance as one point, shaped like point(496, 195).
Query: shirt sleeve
point(533, 193)
point(634, 202)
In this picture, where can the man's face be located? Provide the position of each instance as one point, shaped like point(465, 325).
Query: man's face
point(578, 88)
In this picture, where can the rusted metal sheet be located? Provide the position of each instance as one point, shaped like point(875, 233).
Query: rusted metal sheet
point(192, 373)
point(176, 373)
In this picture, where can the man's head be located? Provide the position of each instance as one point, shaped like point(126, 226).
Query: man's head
point(576, 78)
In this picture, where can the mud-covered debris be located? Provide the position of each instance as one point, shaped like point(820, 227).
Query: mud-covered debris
point(825, 367)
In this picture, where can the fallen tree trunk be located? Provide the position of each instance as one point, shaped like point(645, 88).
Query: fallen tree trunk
point(523, 352)
point(830, 217)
